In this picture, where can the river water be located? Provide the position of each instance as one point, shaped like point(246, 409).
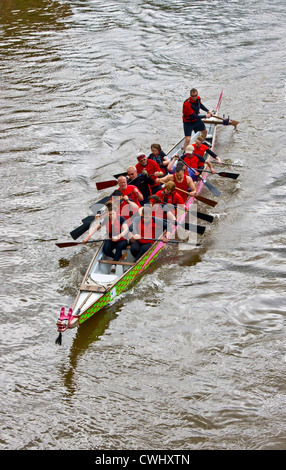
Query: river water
point(192, 356)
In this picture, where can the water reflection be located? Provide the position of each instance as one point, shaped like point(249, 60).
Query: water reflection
point(86, 335)
point(16, 15)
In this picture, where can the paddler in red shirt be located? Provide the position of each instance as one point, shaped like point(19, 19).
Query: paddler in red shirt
point(159, 209)
point(200, 149)
point(182, 182)
point(192, 120)
point(195, 161)
point(130, 202)
point(170, 196)
point(152, 169)
point(146, 229)
point(117, 231)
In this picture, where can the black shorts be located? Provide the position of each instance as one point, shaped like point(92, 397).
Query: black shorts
point(193, 126)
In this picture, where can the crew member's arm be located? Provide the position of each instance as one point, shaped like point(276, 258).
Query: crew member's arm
point(213, 155)
point(123, 233)
point(165, 179)
point(97, 227)
point(192, 186)
point(204, 108)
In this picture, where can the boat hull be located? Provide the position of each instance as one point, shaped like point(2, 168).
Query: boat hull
point(99, 286)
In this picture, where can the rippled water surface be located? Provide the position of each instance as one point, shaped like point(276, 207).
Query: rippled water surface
point(192, 356)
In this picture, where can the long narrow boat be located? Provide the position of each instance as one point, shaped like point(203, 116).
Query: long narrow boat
point(99, 286)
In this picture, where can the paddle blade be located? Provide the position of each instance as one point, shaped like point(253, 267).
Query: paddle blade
point(195, 228)
point(211, 187)
point(226, 174)
point(201, 215)
point(77, 232)
point(88, 220)
point(205, 200)
point(96, 206)
point(106, 184)
point(124, 173)
point(66, 244)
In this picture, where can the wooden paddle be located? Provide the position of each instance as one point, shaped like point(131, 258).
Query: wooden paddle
point(106, 184)
point(109, 183)
point(222, 173)
point(205, 200)
point(225, 122)
point(172, 241)
point(67, 244)
point(77, 232)
point(169, 241)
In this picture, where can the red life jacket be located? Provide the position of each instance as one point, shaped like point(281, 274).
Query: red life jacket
point(172, 198)
point(200, 151)
point(191, 107)
point(197, 160)
point(194, 162)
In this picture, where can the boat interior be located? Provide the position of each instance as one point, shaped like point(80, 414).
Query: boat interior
point(100, 273)
point(100, 270)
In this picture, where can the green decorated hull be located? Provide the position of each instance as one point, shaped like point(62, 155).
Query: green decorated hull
point(122, 283)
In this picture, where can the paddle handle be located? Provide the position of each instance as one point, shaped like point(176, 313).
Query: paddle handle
point(183, 191)
point(209, 121)
point(67, 244)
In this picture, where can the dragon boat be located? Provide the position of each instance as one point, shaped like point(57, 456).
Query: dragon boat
point(100, 286)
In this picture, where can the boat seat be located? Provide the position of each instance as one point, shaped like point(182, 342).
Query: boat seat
point(111, 261)
point(103, 278)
